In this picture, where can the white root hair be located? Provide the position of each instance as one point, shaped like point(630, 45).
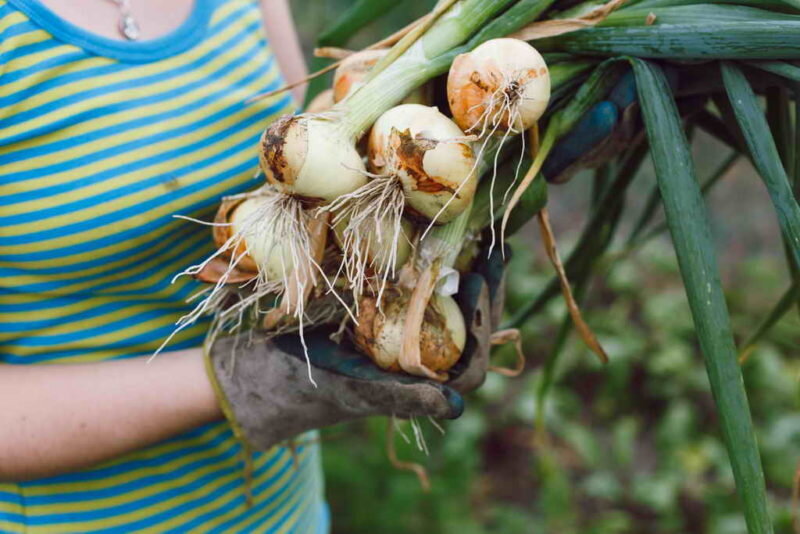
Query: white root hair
point(365, 213)
point(282, 220)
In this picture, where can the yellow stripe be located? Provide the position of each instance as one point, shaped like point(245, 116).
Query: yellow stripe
point(113, 118)
point(172, 231)
point(97, 504)
point(124, 75)
point(22, 226)
point(167, 504)
point(24, 39)
point(268, 514)
point(166, 210)
point(155, 451)
point(15, 17)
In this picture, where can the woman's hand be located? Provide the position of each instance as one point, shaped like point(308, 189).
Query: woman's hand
point(62, 418)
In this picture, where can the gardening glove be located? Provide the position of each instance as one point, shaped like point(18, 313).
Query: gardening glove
point(481, 298)
point(265, 391)
point(606, 128)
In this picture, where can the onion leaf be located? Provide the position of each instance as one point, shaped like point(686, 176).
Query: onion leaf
point(691, 235)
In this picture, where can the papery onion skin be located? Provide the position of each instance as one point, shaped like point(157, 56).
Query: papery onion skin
point(307, 156)
point(503, 67)
point(379, 332)
point(430, 155)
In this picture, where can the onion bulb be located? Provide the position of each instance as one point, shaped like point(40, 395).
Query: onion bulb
point(353, 70)
point(379, 246)
point(352, 73)
point(500, 86)
point(430, 156)
point(379, 333)
point(310, 157)
point(269, 253)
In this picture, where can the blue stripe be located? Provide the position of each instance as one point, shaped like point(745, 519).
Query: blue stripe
point(127, 254)
point(126, 346)
point(218, 455)
point(201, 519)
point(151, 500)
point(257, 492)
point(177, 300)
point(90, 246)
point(161, 460)
point(18, 28)
point(24, 50)
point(69, 56)
point(109, 109)
point(195, 246)
point(102, 70)
point(69, 186)
point(41, 339)
point(139, 165)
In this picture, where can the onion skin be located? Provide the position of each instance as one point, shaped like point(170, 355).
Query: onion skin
point(308, 157)
point(500, 67)
point(354, 69)
point(379, 332)
point(222, 232)
point(350, 74)
point(426, 151)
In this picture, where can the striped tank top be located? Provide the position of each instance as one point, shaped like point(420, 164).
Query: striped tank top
point(101, 143)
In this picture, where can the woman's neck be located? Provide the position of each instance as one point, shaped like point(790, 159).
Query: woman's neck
point(155, 18)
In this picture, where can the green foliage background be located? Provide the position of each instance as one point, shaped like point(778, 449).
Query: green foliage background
point(633, 447)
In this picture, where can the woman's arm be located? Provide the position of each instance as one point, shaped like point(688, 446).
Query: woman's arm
point(285, 43)
point(60, 418)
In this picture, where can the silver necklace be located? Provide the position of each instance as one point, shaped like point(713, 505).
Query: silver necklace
point(127, 25)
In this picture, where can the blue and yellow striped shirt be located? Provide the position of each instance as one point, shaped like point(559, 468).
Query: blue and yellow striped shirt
point(101, 143)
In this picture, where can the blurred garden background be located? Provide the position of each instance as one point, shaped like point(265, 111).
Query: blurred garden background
point(631, 447)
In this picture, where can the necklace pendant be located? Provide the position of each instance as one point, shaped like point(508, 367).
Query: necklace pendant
point(129, 28)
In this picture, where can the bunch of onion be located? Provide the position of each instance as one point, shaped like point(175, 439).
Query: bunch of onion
point(422, 167)
point(314, 156)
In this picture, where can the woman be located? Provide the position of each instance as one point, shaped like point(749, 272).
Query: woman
point(103, 138)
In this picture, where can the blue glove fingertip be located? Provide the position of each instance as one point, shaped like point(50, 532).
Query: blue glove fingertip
point(597, 124)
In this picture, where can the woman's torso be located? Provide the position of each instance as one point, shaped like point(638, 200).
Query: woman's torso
point(101, 144)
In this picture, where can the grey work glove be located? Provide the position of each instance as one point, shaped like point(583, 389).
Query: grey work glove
point(267, 396)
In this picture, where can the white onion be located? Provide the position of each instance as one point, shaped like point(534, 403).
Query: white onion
point(310, 157)
point(430, 156)
point(500, 85)
point(271, 256)
point(352, 73)
point(378, 244)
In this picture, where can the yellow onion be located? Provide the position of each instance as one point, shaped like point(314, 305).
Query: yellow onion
point(310, 157)
point(351, 74)
point(502, 84)
point(430, 156)
point(379, 333)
